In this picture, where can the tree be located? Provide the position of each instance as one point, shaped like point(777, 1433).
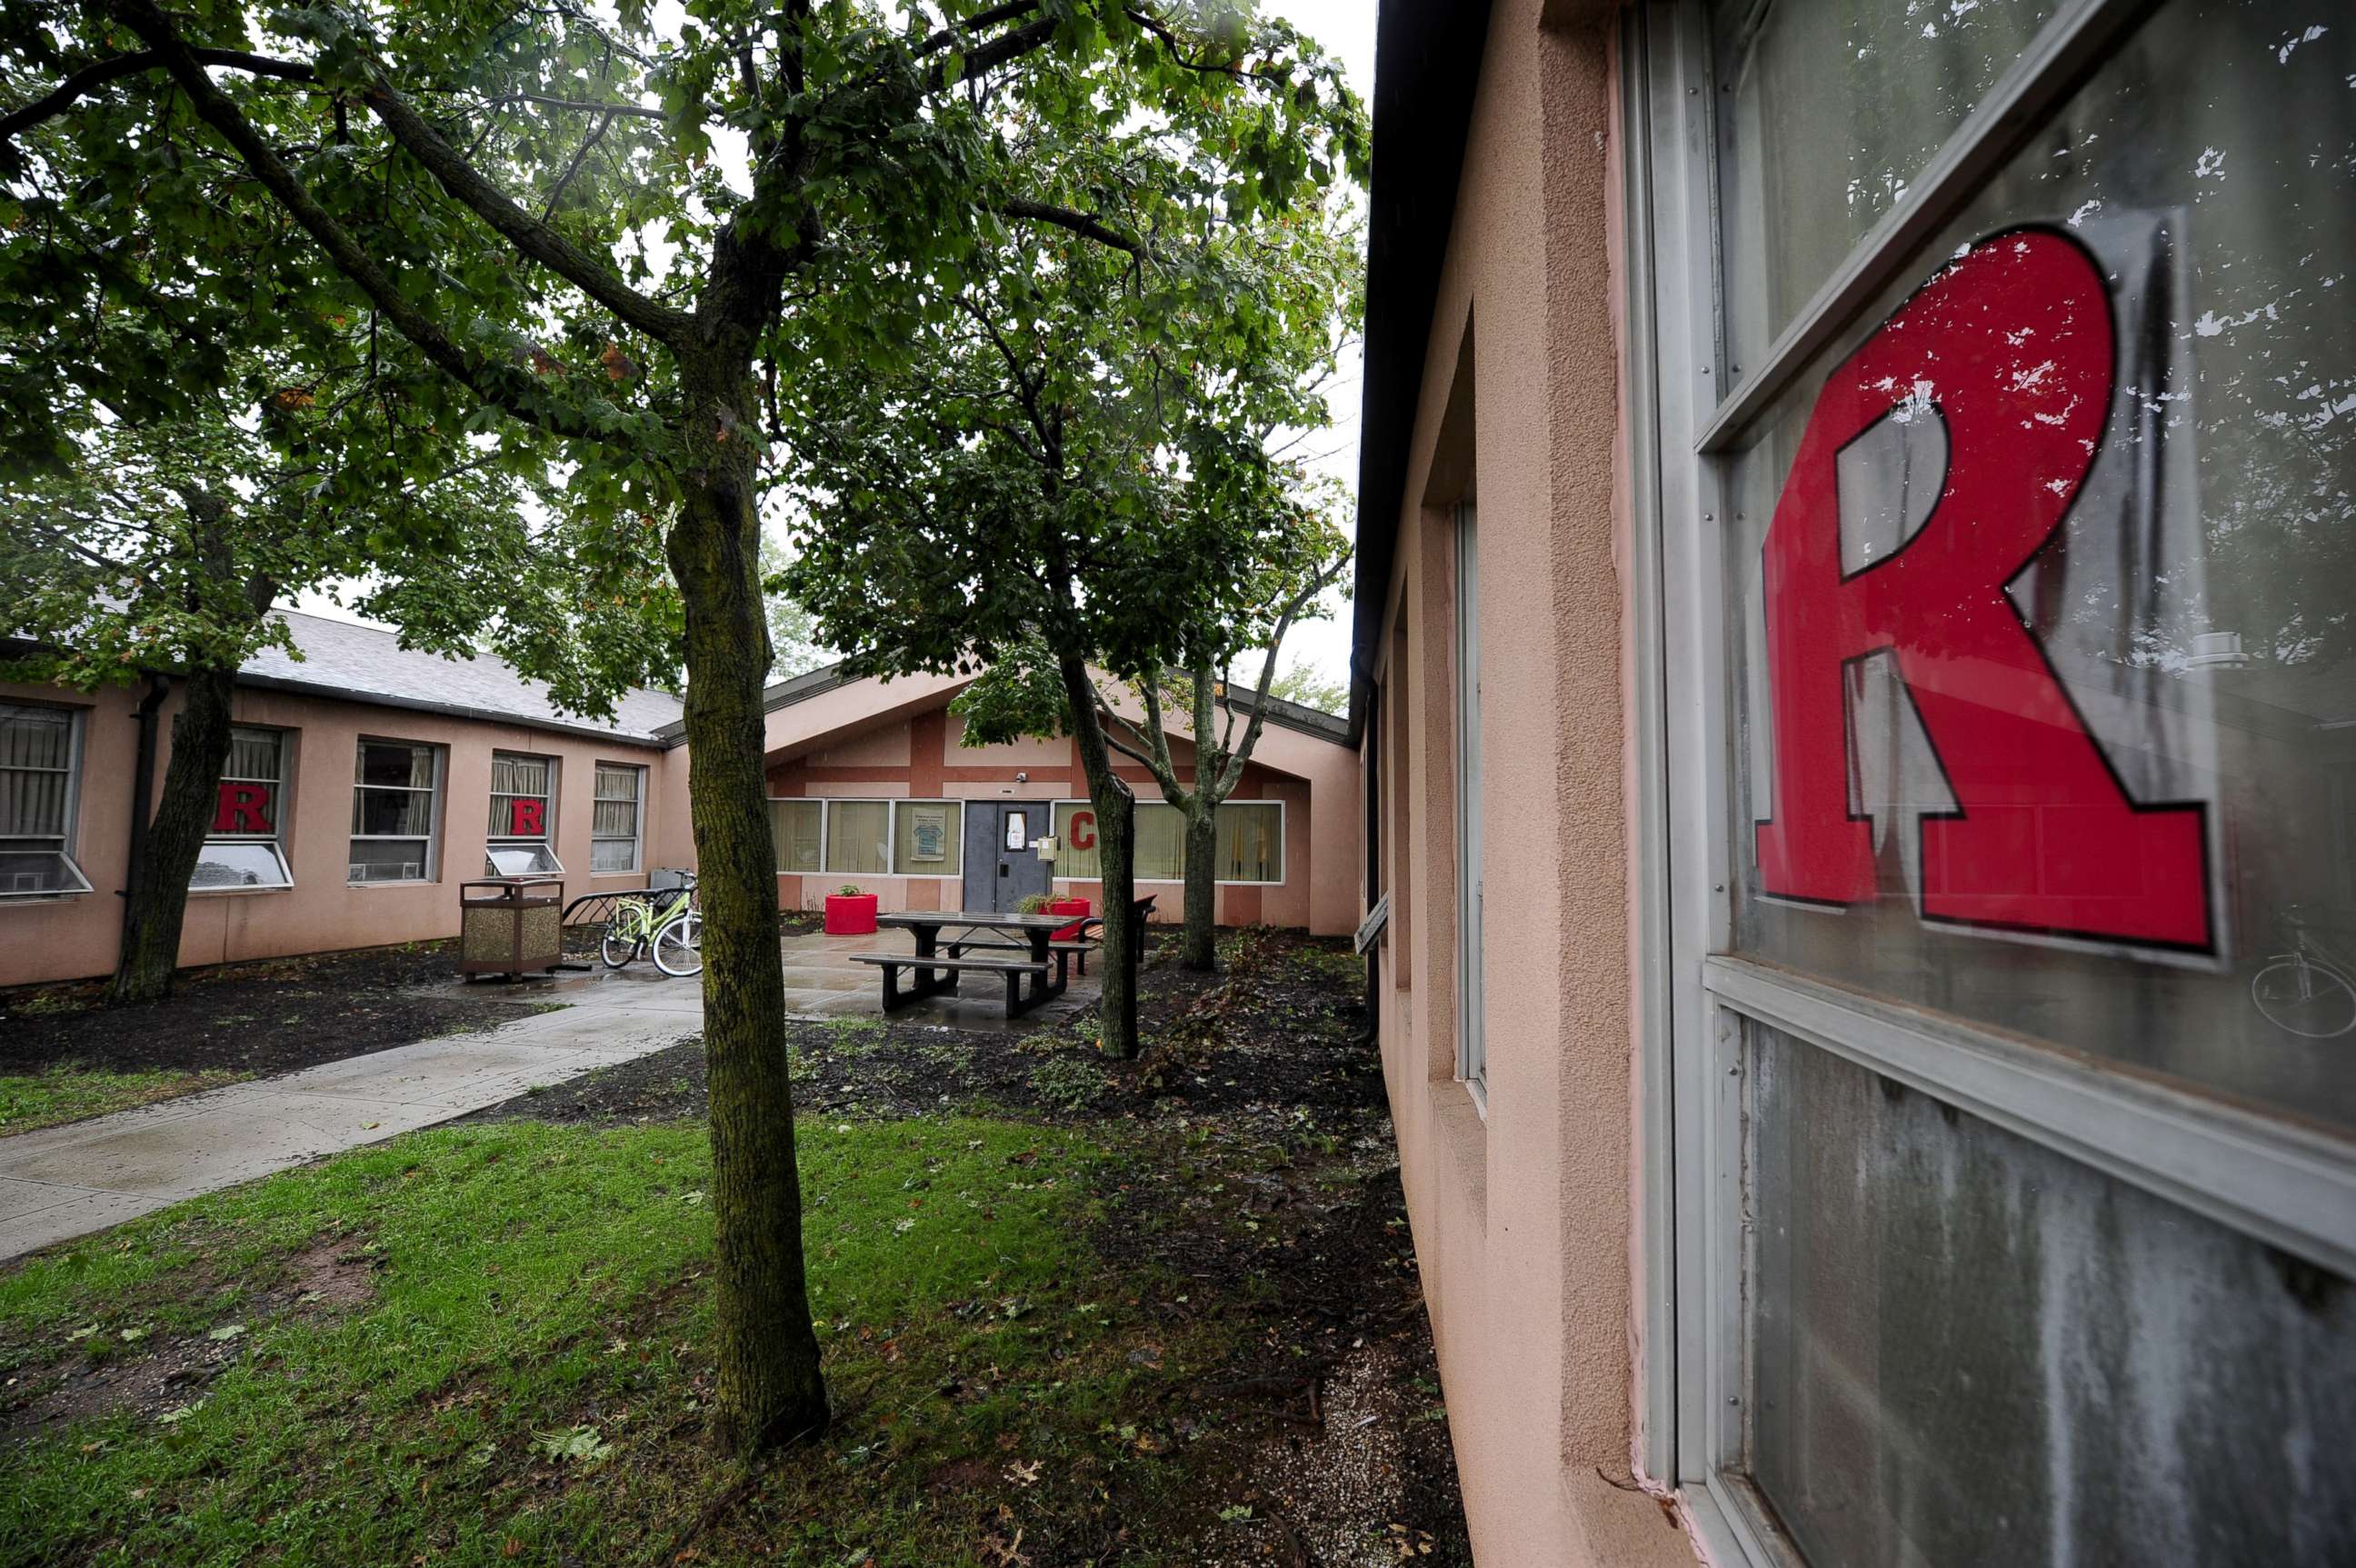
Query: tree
point(1072, 476)
point(1314, 561)
point(490, 178)
point(158, 552)
point(794, 647)
point(1302, 683)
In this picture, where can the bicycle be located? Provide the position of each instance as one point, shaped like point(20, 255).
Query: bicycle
point(665, 925)
point(2302, 992)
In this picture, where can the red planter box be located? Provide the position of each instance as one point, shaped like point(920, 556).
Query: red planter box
point(1070, 933)
point(853, 915)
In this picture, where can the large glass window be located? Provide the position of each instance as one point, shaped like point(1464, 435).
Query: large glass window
point(2008, 503)
point(2045, 669)
point(523, 827)
point(395, 812)
point(928, 838)
point(1967, 1349)
point(617, 818)
point(1250, 843)
point(39, 759)
point(246, 847)
point(1471, 1009)
point(859, 838)
point(1827, 114)
point(796, 826)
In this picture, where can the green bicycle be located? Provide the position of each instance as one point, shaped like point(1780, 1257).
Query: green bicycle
point(666, 925)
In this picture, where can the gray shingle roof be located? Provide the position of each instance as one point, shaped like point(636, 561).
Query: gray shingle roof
point(367, 664)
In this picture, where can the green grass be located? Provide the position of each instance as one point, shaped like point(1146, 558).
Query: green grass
point(526, 1384)
point(67, 1094)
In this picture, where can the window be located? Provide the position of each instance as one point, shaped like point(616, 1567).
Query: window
point(246, 847)
point(859, 838)
point(40, 753)
point(798, 827)
point(395, 812)
point(617, 818)
point(1472, 1007)
point(1249, 846)
point(523, 816)
point(2011, 694)
point(928, 838)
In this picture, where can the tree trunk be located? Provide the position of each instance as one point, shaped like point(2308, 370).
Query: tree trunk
point(153, 907)
point(1115, 859)
point(770, 1390)
point(1200, 949)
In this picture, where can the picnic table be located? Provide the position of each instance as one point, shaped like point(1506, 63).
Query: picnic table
point(1027, 940)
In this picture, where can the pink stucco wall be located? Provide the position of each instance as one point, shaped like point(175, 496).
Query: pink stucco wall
point(896, 740)
point(70, 938)
point(1523, 1212)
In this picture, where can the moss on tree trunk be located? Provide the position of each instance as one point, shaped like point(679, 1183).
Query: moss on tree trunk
point(1116, 861)
point(1200, 949)
point(154, 908)
point(769, 1386)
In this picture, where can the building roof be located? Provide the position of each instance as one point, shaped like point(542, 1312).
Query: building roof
point(367, 664)
point(1426, 65)
point(826, 678)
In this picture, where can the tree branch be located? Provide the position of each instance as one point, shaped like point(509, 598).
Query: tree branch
point(466, 184)
point(90, 78)
point(214, 108)
point(1007, 46)
point(583, 105)
point(1316, 584)
point(1085, 224)
point(947, 36)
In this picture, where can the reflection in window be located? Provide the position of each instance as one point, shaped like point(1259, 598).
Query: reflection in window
point(394, 811)
point(1965, 1347)
point(2191, 604)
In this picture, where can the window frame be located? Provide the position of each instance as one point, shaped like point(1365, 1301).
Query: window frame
point(276, 838)
point(1472, 994)
point(545, 840)
point(431, 868)
point(68, 838)
point(637, 838)
point(1283, 840)
point(2253, 1171)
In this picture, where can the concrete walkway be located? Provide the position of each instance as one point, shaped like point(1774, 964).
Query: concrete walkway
point(68, 1181)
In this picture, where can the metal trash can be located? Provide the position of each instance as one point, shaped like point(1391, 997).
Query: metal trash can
point(510, 925)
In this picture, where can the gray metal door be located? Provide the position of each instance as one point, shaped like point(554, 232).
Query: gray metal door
point(1001, 866)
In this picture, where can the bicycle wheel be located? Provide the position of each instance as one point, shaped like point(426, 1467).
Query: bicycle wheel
point(2308, 999)
point(618, 950)
point(678, 946)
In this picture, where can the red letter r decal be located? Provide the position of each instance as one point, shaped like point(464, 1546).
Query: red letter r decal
point(2012, 346)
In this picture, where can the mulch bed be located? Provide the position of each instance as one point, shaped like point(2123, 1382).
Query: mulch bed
point(255, 1018)
point(1260, 1151)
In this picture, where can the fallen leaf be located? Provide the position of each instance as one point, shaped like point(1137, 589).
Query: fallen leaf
point(227, 1331)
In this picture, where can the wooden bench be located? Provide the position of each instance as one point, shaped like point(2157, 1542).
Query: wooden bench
point(937, 975)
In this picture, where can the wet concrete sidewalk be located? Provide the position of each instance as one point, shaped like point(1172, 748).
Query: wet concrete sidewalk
point(63, 1182)
point(68, 1181)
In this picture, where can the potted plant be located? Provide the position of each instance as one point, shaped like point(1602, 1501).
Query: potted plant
point(1068, 905)
point(850, 912)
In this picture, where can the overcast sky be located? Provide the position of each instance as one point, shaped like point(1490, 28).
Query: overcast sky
point(1347, 28)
